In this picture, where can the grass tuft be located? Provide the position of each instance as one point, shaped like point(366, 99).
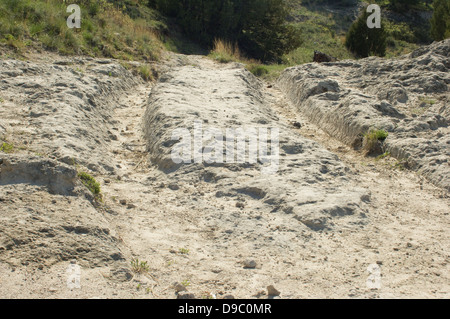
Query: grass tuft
point(225, 52)
point(90, 183)
point(6, 148)
point(373, 140)
point(139, 267)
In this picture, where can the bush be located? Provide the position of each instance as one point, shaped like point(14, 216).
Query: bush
point(363, 41)
point(258, 69)
point(440, 22)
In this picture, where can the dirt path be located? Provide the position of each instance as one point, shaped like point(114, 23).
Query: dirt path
point(405, 234)
point(197, 230)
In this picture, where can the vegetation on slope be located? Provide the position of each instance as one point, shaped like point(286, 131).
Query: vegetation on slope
point(278, 33)
point(120, 29)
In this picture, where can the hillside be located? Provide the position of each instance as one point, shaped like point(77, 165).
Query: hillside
point(128, 170)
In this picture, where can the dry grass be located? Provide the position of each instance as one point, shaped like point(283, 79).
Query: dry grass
point(225, 52)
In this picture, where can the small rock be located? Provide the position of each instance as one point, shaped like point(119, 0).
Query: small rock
point(174, 187)
point(178, 287)
point(216, 270)
point(249, 263)
point(365, 198)
point(130, 206)
point(123, 202)
point(271, 291)
point(297, 124)
point(52, 289)
point(240, 205)
point(260, 293)
point(185, 295)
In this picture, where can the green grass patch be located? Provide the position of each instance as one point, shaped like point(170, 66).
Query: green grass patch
point(139, 267)
point(126, 30)
point(427, 100)
point(184, 251)
point(145, 72)
point(384, 155)
point(90, 183)
point(258, 70)
point(373, 140)
point(7, 148)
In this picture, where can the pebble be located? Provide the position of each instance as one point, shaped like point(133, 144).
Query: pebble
point(249, 263)
point(178, 287)
point(185, 295)
point(271, 291)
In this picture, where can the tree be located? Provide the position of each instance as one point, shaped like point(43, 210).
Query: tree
point(402, 5)
point(258, 26)
point(363, 41)
point(264, 34)
point(440, 22)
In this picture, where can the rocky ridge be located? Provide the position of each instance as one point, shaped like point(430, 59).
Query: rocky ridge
point(408, 97)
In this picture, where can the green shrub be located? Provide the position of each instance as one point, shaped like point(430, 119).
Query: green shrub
point(440, 22)
point(363, 41)
point(258, 69)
